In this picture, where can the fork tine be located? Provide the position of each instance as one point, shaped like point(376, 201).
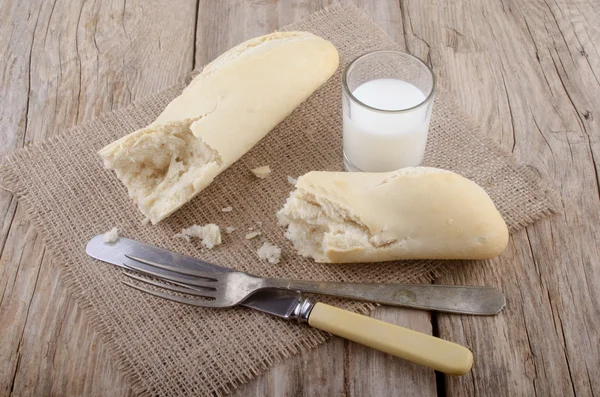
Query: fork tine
point(182, 280)
point(186, 301)
point(208, 293)
point(187, 286)
point(175, 269)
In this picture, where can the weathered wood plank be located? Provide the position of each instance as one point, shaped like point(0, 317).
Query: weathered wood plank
point(66, 63)
point(319, 372)
point(373, 373)
point(528, 71)
point(59, 354)
point(20, 264)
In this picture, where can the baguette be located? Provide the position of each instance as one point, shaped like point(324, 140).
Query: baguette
point(412, 213)
point(220, 115)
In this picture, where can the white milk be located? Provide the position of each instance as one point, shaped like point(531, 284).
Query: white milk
point(376, 141)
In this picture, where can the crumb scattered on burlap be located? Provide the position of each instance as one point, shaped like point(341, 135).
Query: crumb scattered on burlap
point(227, 209)
point(270, 253)
point(262, 172)
point(251, 235)
point(210, 234)
point(291, 180)
point(229, 229)
point(112, 236)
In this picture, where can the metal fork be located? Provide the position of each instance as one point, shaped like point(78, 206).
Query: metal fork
point(226, 289)
point(229, 289)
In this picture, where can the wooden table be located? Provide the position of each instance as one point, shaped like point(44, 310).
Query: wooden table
point(528, 71)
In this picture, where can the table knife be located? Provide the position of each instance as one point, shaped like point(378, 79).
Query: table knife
point(411, 345)
point(474, 300)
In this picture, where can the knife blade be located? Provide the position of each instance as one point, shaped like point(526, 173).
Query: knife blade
point(276, 302)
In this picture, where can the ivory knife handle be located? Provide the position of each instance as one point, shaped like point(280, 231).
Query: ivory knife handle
point(420, 348)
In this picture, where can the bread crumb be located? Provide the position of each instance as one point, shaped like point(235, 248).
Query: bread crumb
point(251, 235)
point(291, 180)
point(229, 229)
point(146, 221)
point(209, 233)
point(183, 236)
point(251, 228)
point(262, 172)
point(227, 209)
point(111, 236)
point(270, 253)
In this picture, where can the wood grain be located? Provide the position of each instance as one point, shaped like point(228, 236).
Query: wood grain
point(67, 62)
point(527, 71)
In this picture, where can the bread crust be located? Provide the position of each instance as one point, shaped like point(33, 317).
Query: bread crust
point(413, 213)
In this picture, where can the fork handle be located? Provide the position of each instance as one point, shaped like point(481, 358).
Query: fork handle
point(442, 298)
point(410, 345)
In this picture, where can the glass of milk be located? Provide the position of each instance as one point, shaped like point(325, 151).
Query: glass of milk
point(387, 100)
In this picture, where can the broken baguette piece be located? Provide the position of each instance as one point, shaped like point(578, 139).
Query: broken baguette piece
point(412, 213)
point(219, 116)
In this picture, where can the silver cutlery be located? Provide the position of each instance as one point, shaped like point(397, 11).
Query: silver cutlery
point(414, 346)
point(230, 289)
point(443, 298)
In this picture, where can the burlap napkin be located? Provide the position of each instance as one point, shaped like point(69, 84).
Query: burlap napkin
point(168, 349)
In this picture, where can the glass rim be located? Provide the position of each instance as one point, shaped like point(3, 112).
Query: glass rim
point(353, 62)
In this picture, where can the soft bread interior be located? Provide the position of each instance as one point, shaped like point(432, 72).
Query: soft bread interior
point(161, 166)
point(315, 223)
